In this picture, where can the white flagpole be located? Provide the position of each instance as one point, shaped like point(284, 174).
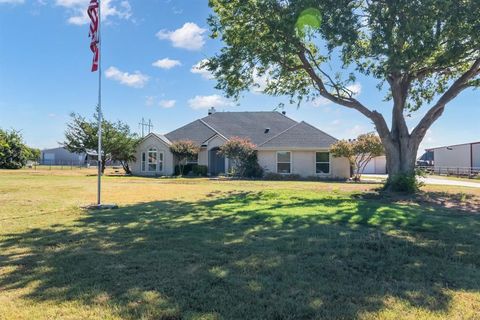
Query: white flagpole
point(100, 116)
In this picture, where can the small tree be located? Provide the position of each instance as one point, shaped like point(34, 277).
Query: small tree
point(359, 152)
point(184, 150)
point(241, 152)
point(13, 152)
point(118, 143)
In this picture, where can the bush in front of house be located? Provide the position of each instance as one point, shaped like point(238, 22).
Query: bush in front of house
point(184, 150)
point(192, 169)
point(243, 156)
point(281, 177)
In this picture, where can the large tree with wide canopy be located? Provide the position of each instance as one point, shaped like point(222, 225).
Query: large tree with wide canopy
point(422, 53)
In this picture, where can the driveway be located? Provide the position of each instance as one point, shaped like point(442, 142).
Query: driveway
point(428, 180)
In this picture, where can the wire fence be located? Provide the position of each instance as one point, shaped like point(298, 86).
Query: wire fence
point(471, 172)
point(62, 165)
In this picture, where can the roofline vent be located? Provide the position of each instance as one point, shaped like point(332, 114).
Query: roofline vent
point(211, 111)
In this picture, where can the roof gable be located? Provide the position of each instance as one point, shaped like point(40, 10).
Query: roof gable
point(195, 131)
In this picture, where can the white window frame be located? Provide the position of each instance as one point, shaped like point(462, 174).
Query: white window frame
point(152, 150)
point(160, 161)
point(143, 162)
point(329, 162)
point(277, 162)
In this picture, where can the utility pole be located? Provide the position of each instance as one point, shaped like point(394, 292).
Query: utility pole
point(148, 125)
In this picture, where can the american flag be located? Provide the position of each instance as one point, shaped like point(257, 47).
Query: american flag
point(93, 34)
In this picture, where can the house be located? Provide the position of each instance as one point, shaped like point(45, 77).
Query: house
point(284, 145)
point(456, 159)
point(61, 156)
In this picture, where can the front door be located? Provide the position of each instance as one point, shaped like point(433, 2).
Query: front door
point(216, 163)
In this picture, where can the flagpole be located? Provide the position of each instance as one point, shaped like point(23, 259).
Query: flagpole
point(100, 116)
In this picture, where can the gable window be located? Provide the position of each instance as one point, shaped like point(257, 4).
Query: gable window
point(284, 162)
point(144, 157)
point(322, 162)
point(152, 159)
point(160, 161)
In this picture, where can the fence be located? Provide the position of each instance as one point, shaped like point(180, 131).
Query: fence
point(62, 165)
point(470, 172)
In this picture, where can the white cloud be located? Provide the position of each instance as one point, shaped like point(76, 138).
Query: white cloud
point(355, 88)
point(167, 103)
point(197, 69)
point(204, 102)
point(77, 10)
point(149, 101)
point(12, 1)
point(189, 37)
point(135, 80)
point(166, 63)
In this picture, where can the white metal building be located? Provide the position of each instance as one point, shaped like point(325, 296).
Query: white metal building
point(460, 158)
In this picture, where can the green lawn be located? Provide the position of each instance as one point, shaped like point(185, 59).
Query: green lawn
point(202, 249)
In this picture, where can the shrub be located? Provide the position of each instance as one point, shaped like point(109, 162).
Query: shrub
point(251, 167)
point(192, 169)
point(407, 183)
point(184, 150)
point(241, 152)
point(281, 177)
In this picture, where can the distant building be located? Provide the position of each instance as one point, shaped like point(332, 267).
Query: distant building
point(377, 165)
point(61, 156)
point(461, 158)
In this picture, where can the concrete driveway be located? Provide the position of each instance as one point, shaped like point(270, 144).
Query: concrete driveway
point(428, 180)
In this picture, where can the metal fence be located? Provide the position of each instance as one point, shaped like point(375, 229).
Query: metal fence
point(60, 165)
point(470, 172)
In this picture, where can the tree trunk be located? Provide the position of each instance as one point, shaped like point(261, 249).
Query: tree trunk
point(126, 167)
point(401, 158)
point(104, 164)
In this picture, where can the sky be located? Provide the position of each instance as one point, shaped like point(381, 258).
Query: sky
point(150, 50)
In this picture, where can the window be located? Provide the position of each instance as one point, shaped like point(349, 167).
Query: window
point(152, 159)
point(322, 162)
point(143, 161)
point(284, 162)
point(160, 161)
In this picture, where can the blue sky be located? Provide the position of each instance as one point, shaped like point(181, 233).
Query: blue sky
point(150, 49)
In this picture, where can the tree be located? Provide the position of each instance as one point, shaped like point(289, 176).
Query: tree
point(242, 153)
point(359, 151)
point(32, 154)
point(184, 150)
point(421, 53)
point(13, 151)
point(118, 143)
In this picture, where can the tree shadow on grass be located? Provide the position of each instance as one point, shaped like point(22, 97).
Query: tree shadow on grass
point(249, 256)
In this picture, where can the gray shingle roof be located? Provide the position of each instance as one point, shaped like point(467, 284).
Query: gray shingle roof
point(283, 132)
point(249, 124)
point(301, 135)
point(195, 131)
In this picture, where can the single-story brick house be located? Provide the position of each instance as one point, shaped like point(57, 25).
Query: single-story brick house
point(284, 145)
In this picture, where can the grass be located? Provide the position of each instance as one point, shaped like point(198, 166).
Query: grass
point(202, 249)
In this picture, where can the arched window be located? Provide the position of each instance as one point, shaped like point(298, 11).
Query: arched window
point(152, 159)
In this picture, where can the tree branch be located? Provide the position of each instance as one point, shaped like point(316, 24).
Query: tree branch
point(348, 102)
point(436, 111)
